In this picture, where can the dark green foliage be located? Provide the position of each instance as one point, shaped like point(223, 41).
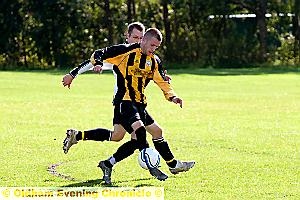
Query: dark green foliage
point(61, 33)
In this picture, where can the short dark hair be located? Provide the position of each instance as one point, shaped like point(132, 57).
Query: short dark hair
point(135, 25)
point(153, 32)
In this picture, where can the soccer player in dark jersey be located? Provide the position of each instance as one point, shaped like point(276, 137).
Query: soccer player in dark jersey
point(128, 148)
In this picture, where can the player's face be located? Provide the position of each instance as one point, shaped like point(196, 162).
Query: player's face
point(135, 36)
point(149, 45)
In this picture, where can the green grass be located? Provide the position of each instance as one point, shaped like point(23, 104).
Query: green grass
point(240, 126)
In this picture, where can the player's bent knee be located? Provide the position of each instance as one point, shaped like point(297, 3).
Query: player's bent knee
point(156, 132)
point(136, 125)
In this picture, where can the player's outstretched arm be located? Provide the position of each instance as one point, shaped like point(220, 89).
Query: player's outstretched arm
point(81, 68)
point(177, 100)
point(67, 80)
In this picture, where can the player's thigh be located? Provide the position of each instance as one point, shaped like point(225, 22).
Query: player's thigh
point(132, 114)
point(121, 116)
point(155, 130)
point(119, 133)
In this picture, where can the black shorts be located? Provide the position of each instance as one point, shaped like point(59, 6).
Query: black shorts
point(127, 112)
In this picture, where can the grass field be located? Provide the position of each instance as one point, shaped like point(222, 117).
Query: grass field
point(242, 127)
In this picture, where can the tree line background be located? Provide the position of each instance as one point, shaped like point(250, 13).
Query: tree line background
point(44, 34)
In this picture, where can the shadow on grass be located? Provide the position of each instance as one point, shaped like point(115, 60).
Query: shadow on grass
point(99, 182)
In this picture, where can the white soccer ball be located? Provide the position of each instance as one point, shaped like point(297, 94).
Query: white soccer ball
point(149, 158)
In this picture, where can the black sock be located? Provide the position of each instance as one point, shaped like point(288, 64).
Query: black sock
point(141, 138)
point(163, 148)
point(99, 134)
point(79, 136)
point(108, 164)
point(172, 163)
point(125, 150)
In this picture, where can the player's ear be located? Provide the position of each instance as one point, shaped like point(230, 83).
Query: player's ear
point(143, 40)
point(126, 35)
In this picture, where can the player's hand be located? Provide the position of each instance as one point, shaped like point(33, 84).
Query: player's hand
point(97, 69)
point(67, 80)
point(177, 100)
point(167, 77)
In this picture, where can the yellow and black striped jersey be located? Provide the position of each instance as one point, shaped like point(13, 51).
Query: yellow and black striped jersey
point(133, 70)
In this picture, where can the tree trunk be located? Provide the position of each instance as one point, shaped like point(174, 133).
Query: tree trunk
point(296, 28)
point(166, 21)
point(129, 12)
point(261, 11)
point(108, 21)
point(133, 9)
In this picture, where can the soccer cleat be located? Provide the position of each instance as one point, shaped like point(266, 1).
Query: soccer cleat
point(158, 174)
point(182, 166)
point(70, 140)
point(106, 172)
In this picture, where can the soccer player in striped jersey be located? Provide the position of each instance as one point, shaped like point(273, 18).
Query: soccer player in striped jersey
point(120, 126)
